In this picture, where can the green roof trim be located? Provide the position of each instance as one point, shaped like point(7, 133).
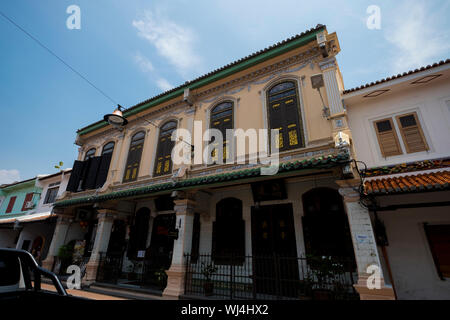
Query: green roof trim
point(288, 167)
point(239, 65)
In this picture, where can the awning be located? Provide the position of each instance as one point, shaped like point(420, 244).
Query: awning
point(28, 218)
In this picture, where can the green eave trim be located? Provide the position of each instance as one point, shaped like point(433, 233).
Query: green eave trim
point(288, 167)
point(271, 53)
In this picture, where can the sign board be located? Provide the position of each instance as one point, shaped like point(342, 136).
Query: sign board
point(141, 254)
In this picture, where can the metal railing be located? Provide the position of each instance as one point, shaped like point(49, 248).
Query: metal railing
point(270, 277)
point(139, 272)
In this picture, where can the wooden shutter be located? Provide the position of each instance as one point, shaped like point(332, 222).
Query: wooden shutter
point(439, 241)
point(387, 138)
point(28, 197)
point(103, 169)
point(75, 176)
point(133, 162)
point(163, 162)
point(195, 247)
point(412, 133)
point(91, 176)
point(12, 200)
point(284, 115)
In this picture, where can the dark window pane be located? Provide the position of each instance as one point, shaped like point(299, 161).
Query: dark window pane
point(383, 126)
point(281, 87)
point(408, 121)
point(51, 195)
point(108, 148)
point(221, 107)
point(89, 154)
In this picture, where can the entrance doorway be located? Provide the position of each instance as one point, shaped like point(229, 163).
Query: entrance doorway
point(274, 248)
point(158, 256)
point(325, 225)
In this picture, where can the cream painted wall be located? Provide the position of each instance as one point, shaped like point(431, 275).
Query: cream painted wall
point(432, 104)
point(413, 269)
point(250, 113)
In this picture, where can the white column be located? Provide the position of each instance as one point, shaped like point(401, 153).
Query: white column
point(184, 210)
point(59, 236)
point(364, 245)
point(104, 227)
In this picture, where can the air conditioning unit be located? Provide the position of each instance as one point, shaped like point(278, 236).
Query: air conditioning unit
point(83, 215)
point(29, 205)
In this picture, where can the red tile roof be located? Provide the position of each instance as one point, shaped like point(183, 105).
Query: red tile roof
point(434, 181)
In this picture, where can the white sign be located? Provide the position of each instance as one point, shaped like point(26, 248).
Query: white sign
point(141, 254)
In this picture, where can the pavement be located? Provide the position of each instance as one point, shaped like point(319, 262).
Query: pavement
point(82, 293)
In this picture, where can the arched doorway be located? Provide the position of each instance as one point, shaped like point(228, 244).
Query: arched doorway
point(37, 247)
point(139, 234)
point(325, 224)
point(158, 257)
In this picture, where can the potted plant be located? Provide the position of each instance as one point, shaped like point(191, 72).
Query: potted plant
point(161, 277)
point(131, 272)
point(323, 271)
point(208, 285)
point(65, 254)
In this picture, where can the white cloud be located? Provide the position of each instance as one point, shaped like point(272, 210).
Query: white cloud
point(163, 84)
point(416, 35)
point(143, 62)
point(9, 176)
point(172, 41)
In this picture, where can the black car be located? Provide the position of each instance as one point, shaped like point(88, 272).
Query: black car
point(21, 277)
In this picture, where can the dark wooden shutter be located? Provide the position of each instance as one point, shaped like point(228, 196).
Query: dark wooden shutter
point(12, 200)
point(195, 247)
point(284, 116)
point(75, 176)
point(103, 169)
point(387, 138)
point(91, 176)
point(439, 241)
point(240, 244)
point(28, 197)
point(214, 241)
point(412, 133)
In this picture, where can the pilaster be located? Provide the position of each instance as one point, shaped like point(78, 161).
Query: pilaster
point(184, 209)
point(364, 245)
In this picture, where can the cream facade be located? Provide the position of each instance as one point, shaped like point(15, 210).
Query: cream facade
point(141, 220)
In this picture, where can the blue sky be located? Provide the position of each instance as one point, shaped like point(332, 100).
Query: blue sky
point(136, 49)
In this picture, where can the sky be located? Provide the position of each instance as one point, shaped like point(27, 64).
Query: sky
point(135, 49)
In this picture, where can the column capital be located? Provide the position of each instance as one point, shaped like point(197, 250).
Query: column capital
point(327, 63)
point(349, 189)
point(105, 215)
point(184, 207)
point(63, 219)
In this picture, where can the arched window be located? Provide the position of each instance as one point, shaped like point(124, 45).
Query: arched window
point(108, 148)
point(284, 114)
point(89, 154)
point(228, 232)
point(222, 119)
point(134, 157)
point(163, 164)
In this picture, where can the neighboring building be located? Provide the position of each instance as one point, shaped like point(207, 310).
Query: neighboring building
point(401, 129)
point(137, 213)
point(26, 218)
